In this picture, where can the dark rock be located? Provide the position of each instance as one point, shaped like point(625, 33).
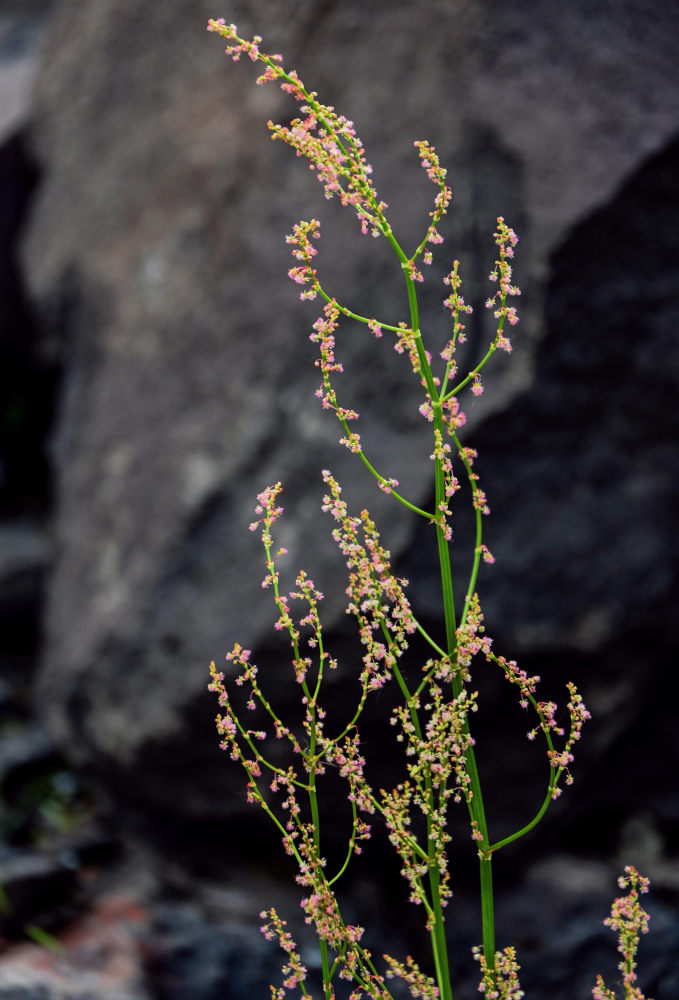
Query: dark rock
point(25, 991)
point(96, 958)
point(22, 753)
point(43, 802)
point(26, 376)
point(22, 27)
point(555, 916)
point(188, 955)
point(32, 884)
point(24, 553)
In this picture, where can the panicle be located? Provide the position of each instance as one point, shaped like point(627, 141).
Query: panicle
point(376, 597)
point(328, 141)
point(629, 919)
point(506, 239)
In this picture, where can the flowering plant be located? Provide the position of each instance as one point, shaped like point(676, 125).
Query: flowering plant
point(431, 719)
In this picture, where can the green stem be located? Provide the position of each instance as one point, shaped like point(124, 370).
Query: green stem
point(529, 826)
point(313, 802)
point(487, 909)
point(315, 819)
point(438, 937)
point(475, 800)
point(471, 586)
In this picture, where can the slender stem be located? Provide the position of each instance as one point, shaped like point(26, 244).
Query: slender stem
point(348, 312)
point(382, 480)
point(479, 529)
point(425, 635)
point(529, 826)
point(315, 819)
point(350, 848)
point(475, 800)
point(313, 796)
point(482, 363)
point(438, 938)
point(438, 943)
point(487, 909)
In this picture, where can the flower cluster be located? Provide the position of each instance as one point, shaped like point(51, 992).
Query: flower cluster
point(346, 756)
point(457, 306)
point(506, 239)
point(547, 719)
point(327, 140)
point(471, 638)
point(500, 982)
point(437, 772)
point(294, 972)
point(630, 920)
point(303, 250)
point(451, 484)
point(378, 600)
point(437, 174)
point(560, 759)
point(376, 597)
point(421, 987)
point(324, 335)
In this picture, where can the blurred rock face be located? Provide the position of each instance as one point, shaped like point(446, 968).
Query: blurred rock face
point(156, 260)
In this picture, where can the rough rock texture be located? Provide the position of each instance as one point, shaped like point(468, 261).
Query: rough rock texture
point(156, 259)
point(132, 942)
point(26, 377)
point(97, 957)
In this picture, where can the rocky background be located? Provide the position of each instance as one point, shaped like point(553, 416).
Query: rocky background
point(155, 374)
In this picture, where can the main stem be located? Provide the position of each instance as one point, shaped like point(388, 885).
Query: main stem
point(476, 807)
point(315, 819)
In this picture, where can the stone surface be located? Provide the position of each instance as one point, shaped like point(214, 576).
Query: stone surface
point(26, 379)
point(22, 28)
point(32, 885)
point(131, 942)
point(98, 956)
point(156, 260)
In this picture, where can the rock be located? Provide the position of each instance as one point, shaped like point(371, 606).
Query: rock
point(155, 257)
point(576, 896)
point(189, 955)
point(24, 553)
point(23, 752)
point(32, 884)
point(133, 942)
point(97, 957)
point(26, 380)
point(22, 26)
point(594, 524)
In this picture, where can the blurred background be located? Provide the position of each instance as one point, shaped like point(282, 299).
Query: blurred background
point(156, 374)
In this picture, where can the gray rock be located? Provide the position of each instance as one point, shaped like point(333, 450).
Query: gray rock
point(24, 750)
point(189, 955)
point(32, 883)
point(24, 552)
point(22, 27)
point(155, 255)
